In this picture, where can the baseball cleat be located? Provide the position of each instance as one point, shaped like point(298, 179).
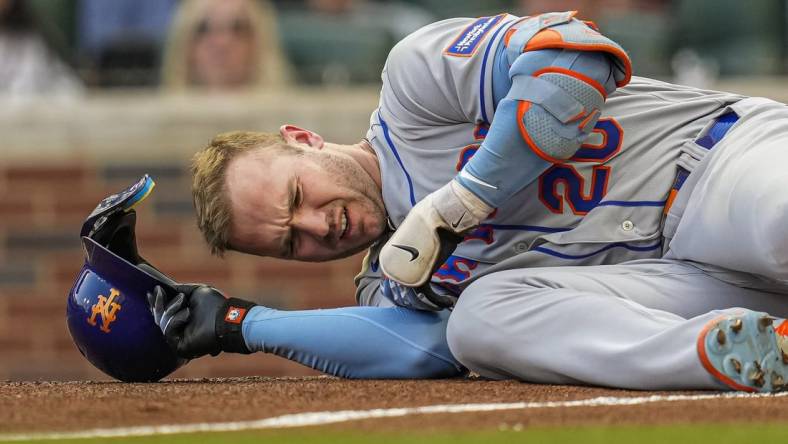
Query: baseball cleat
point(744, 352)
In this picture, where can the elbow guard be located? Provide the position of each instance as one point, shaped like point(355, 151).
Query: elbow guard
point(562, 71)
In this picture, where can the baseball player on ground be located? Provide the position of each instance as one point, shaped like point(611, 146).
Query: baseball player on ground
point(585, 226)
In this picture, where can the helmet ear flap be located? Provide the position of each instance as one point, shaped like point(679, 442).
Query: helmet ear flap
point(111, 223)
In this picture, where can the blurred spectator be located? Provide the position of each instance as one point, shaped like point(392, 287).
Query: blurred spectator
point(122, 39)
point(29, 66)
point(224, 45)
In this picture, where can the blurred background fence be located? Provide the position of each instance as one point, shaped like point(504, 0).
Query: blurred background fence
point(95, 93)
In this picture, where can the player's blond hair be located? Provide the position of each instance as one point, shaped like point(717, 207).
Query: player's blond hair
point(209, 181)
point(271, 68)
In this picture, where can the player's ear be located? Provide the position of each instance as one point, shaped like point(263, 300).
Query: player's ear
point(297, 136)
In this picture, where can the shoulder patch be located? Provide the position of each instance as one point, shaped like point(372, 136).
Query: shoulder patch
point(468, 41)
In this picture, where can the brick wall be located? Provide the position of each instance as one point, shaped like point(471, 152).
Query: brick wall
point(55, 166)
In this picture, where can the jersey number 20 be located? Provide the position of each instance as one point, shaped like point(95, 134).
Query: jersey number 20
point(582, 198)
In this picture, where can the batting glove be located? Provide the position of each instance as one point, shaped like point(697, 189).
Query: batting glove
point(168, 312)
point(200, 320)
point(430, 233)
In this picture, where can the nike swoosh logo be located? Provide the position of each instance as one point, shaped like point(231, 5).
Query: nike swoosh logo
point(466, 175)
point(457, 223)
point(414, 253)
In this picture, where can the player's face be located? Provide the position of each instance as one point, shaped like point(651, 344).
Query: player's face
point(221, 52)
point(315, 206)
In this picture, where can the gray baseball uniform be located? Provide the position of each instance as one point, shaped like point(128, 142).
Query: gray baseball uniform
point(631, 319)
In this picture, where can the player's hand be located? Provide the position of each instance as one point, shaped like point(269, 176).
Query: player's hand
point(430, 233)
point(200, 320)
point(424, 298)
point(169, 313)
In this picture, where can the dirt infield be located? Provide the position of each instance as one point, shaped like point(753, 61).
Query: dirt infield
point(42, 407)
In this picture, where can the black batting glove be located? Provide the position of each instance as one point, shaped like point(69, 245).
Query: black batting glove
point(211, 323)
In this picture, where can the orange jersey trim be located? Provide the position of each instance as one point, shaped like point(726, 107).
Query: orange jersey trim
point(669, 203)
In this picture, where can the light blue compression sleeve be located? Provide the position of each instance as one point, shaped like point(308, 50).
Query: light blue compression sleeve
point(356, 342)
point(504, 163)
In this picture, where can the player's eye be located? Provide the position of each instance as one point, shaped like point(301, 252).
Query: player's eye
point(296, 197)
point(299, 196)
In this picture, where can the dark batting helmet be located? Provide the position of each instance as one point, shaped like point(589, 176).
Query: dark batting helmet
point(107, 312)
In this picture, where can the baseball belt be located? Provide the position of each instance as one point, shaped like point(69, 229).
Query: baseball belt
point(717, 131)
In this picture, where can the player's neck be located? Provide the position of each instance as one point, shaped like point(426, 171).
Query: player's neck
point(373, 169)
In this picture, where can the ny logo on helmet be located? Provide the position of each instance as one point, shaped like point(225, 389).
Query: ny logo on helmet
point(106, 307)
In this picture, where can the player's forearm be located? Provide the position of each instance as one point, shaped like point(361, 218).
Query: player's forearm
point(503, 164)
point(356, 342)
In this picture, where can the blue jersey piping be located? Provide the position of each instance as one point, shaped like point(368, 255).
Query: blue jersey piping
point(396, 155)
point(484, 68)
point(601, 250)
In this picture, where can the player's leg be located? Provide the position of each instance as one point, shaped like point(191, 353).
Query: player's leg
point(734, 207)
point(356, 342)
point(633, 325)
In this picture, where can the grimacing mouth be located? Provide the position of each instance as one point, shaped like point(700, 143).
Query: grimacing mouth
point(344, 223)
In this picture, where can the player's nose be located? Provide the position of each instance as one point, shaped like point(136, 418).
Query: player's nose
point(312, 222)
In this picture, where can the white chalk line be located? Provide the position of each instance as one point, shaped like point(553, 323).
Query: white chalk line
point(329, 417)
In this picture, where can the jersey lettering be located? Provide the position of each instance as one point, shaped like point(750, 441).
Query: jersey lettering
point(479, 133)
point(484, 233)
point(465, 155)
point(573, 188)
point(456, 269)
point(609, 135)
point(580, 201)
point(480, 130)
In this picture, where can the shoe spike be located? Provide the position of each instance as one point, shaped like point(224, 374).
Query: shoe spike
point(765, 322)
point(736, 365)
point(721, 338)
point(777, 381)
point(757, 378)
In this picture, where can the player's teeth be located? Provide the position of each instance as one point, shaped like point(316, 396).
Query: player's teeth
point(344, 224)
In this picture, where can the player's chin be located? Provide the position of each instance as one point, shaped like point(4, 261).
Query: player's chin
point(352, 249)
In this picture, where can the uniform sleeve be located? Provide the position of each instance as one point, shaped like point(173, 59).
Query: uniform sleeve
point(368, 291)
